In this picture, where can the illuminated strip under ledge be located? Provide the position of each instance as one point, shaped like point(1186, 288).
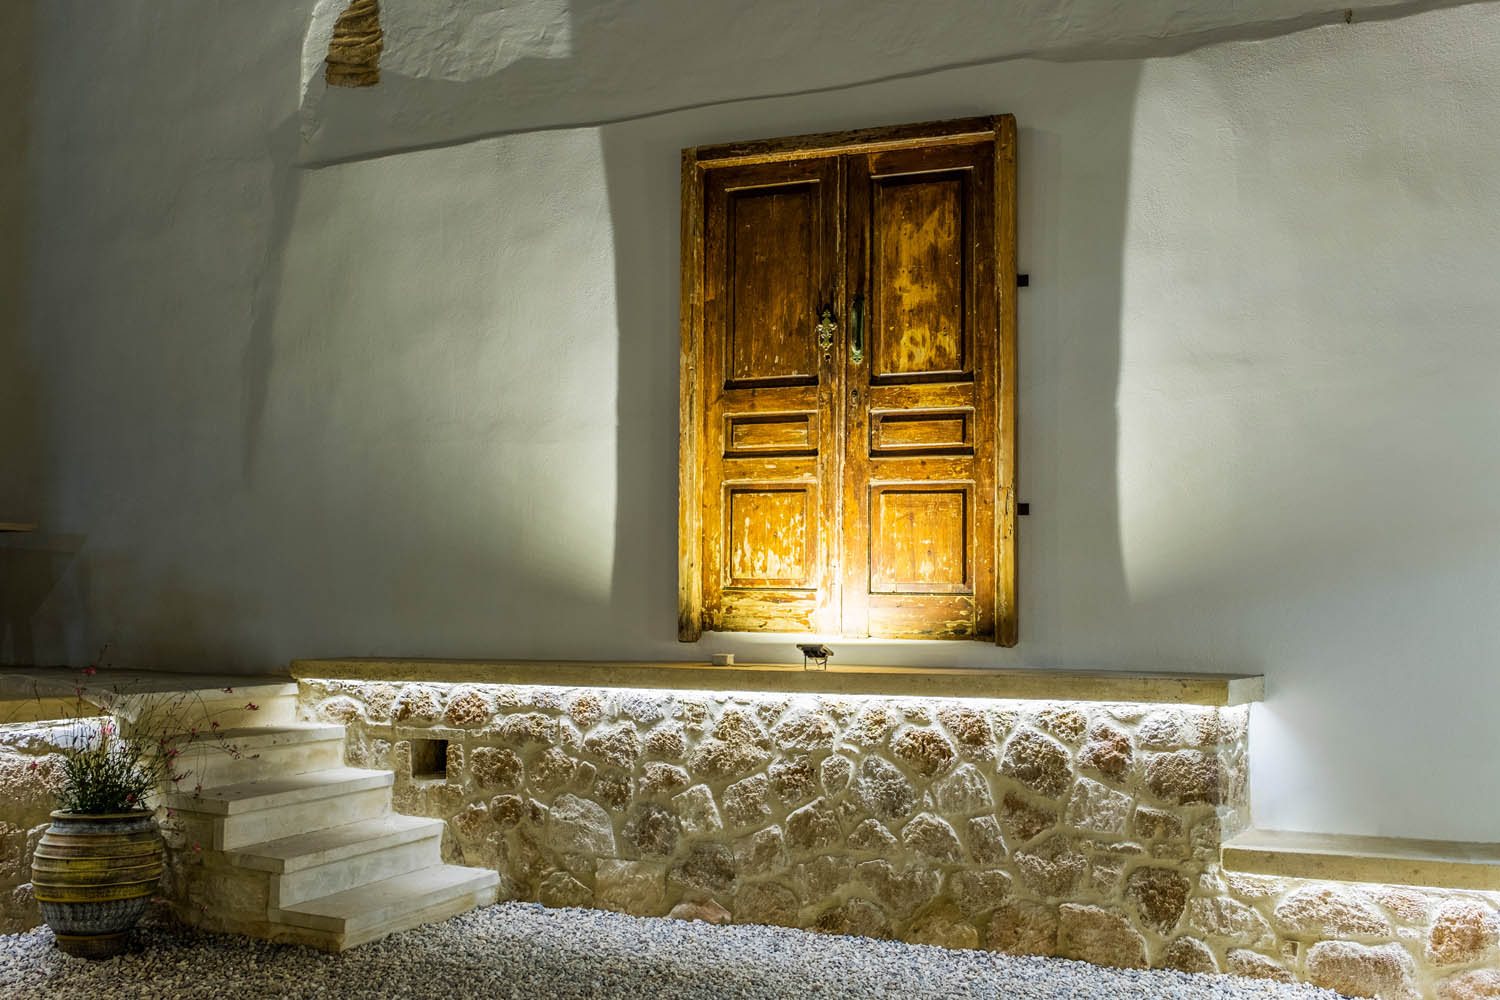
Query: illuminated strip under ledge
point(1433, 864)
point(1219, 690)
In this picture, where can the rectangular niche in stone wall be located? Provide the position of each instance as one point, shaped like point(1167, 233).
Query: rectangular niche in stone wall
point(429, 759)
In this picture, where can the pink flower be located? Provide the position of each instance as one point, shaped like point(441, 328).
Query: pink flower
point(33, 766)
point(252, 706)
point(216, 725)
point(229, 690)
point(197, 847)
point(89, 671)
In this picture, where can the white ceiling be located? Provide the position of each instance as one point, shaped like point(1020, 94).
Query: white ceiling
point(456, 69)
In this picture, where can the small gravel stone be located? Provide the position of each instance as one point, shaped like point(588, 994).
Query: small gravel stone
point(522, 950)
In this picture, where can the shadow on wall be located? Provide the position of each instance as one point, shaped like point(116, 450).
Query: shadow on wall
point(1074, 170)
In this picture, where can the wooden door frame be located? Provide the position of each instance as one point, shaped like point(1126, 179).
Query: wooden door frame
point(1001, 129)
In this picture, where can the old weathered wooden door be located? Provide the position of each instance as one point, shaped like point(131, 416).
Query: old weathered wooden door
point(848, 384)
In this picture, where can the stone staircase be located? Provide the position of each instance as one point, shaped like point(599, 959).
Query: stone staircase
point(288, 844)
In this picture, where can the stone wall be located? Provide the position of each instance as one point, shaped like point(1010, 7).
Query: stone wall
point(30, 775)
point(1089, 831)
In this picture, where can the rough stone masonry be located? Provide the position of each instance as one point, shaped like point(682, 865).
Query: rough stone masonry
point(1085, 830)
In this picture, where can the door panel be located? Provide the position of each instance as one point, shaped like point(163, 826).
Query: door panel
point(920, 414)
point(917, 288)
point(771, 249)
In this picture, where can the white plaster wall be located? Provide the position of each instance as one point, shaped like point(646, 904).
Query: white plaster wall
point(426, 404)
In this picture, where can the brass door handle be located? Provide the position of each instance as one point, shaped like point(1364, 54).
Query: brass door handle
point(825, 329)
point(857, 323)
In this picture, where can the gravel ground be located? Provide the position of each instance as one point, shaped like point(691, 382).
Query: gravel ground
point(523, 950)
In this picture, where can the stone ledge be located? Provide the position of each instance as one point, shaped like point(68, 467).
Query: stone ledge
point(1218, 690)
point(1433, 864)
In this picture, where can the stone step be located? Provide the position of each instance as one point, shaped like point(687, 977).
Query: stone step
point(310, 865)
point(275, 704)
point(253, 812)
point(264, 753)
point(354, 916)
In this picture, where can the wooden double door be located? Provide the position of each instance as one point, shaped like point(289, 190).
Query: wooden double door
point(848, 384)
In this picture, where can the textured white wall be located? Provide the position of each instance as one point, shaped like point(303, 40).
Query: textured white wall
point(425, 404)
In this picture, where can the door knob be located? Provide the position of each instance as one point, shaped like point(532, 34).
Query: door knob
point(857, 325)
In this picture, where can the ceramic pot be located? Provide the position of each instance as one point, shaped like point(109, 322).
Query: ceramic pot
point(94, 876)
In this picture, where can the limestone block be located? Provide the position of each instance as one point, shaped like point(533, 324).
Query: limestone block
point(1154, 824)
point(618, 744)
point(872, 725)
point(1108, 751)
point(805, 730)
point(739, 727)
point(747, 801)
point(550, 770)
point(417, 704)
point(1187, 954)
point(976, 892)
point(697, 812)
point(652, 831)
point(562, 889)
point(943, 926)
point(613, 789)
point(341, 710)
point(986, 845)
point(926, 751)
point(1408, 906)
point(1038, 762)
point(586, 708)
point(580, 825)
point(901, 890)
point(663, 779)
point(883, 790)
point(1481, 984)
point(1160, 896)
point(468, 708)
point(1357, 970)
point(834, 774)
point(379, 699)
point(714, 759)
point(964, 792)
point(1066, 723)
point(525, 729)
point(1185, 777)
point(645, 708)
point(1022, 928)
point(856, 917)
point(1023, 821)
point(1053, 868)
point(1463, 931)
point(767, 903)
point(1328, 911)
point(933, 837)
point(1103, 937)
point(495, 767)
point(1097, 808)
point(793, 781)
point(812, 827)
point(872, 835)
point(708, 867)
point(971, 730)
point(825, 875)
point(666, 742)
point(633, 887)
point(762, 852)
point(1227, 921)
point(1254, 965)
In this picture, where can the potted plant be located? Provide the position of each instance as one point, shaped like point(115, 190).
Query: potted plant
point(98, 864)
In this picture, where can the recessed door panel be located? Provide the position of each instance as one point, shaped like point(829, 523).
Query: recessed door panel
point(772, 274)
point(920, 540)
point(917, 275)
point(770, 537)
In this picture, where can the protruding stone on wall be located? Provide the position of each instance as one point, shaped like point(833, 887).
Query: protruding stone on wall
point(354, 51)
